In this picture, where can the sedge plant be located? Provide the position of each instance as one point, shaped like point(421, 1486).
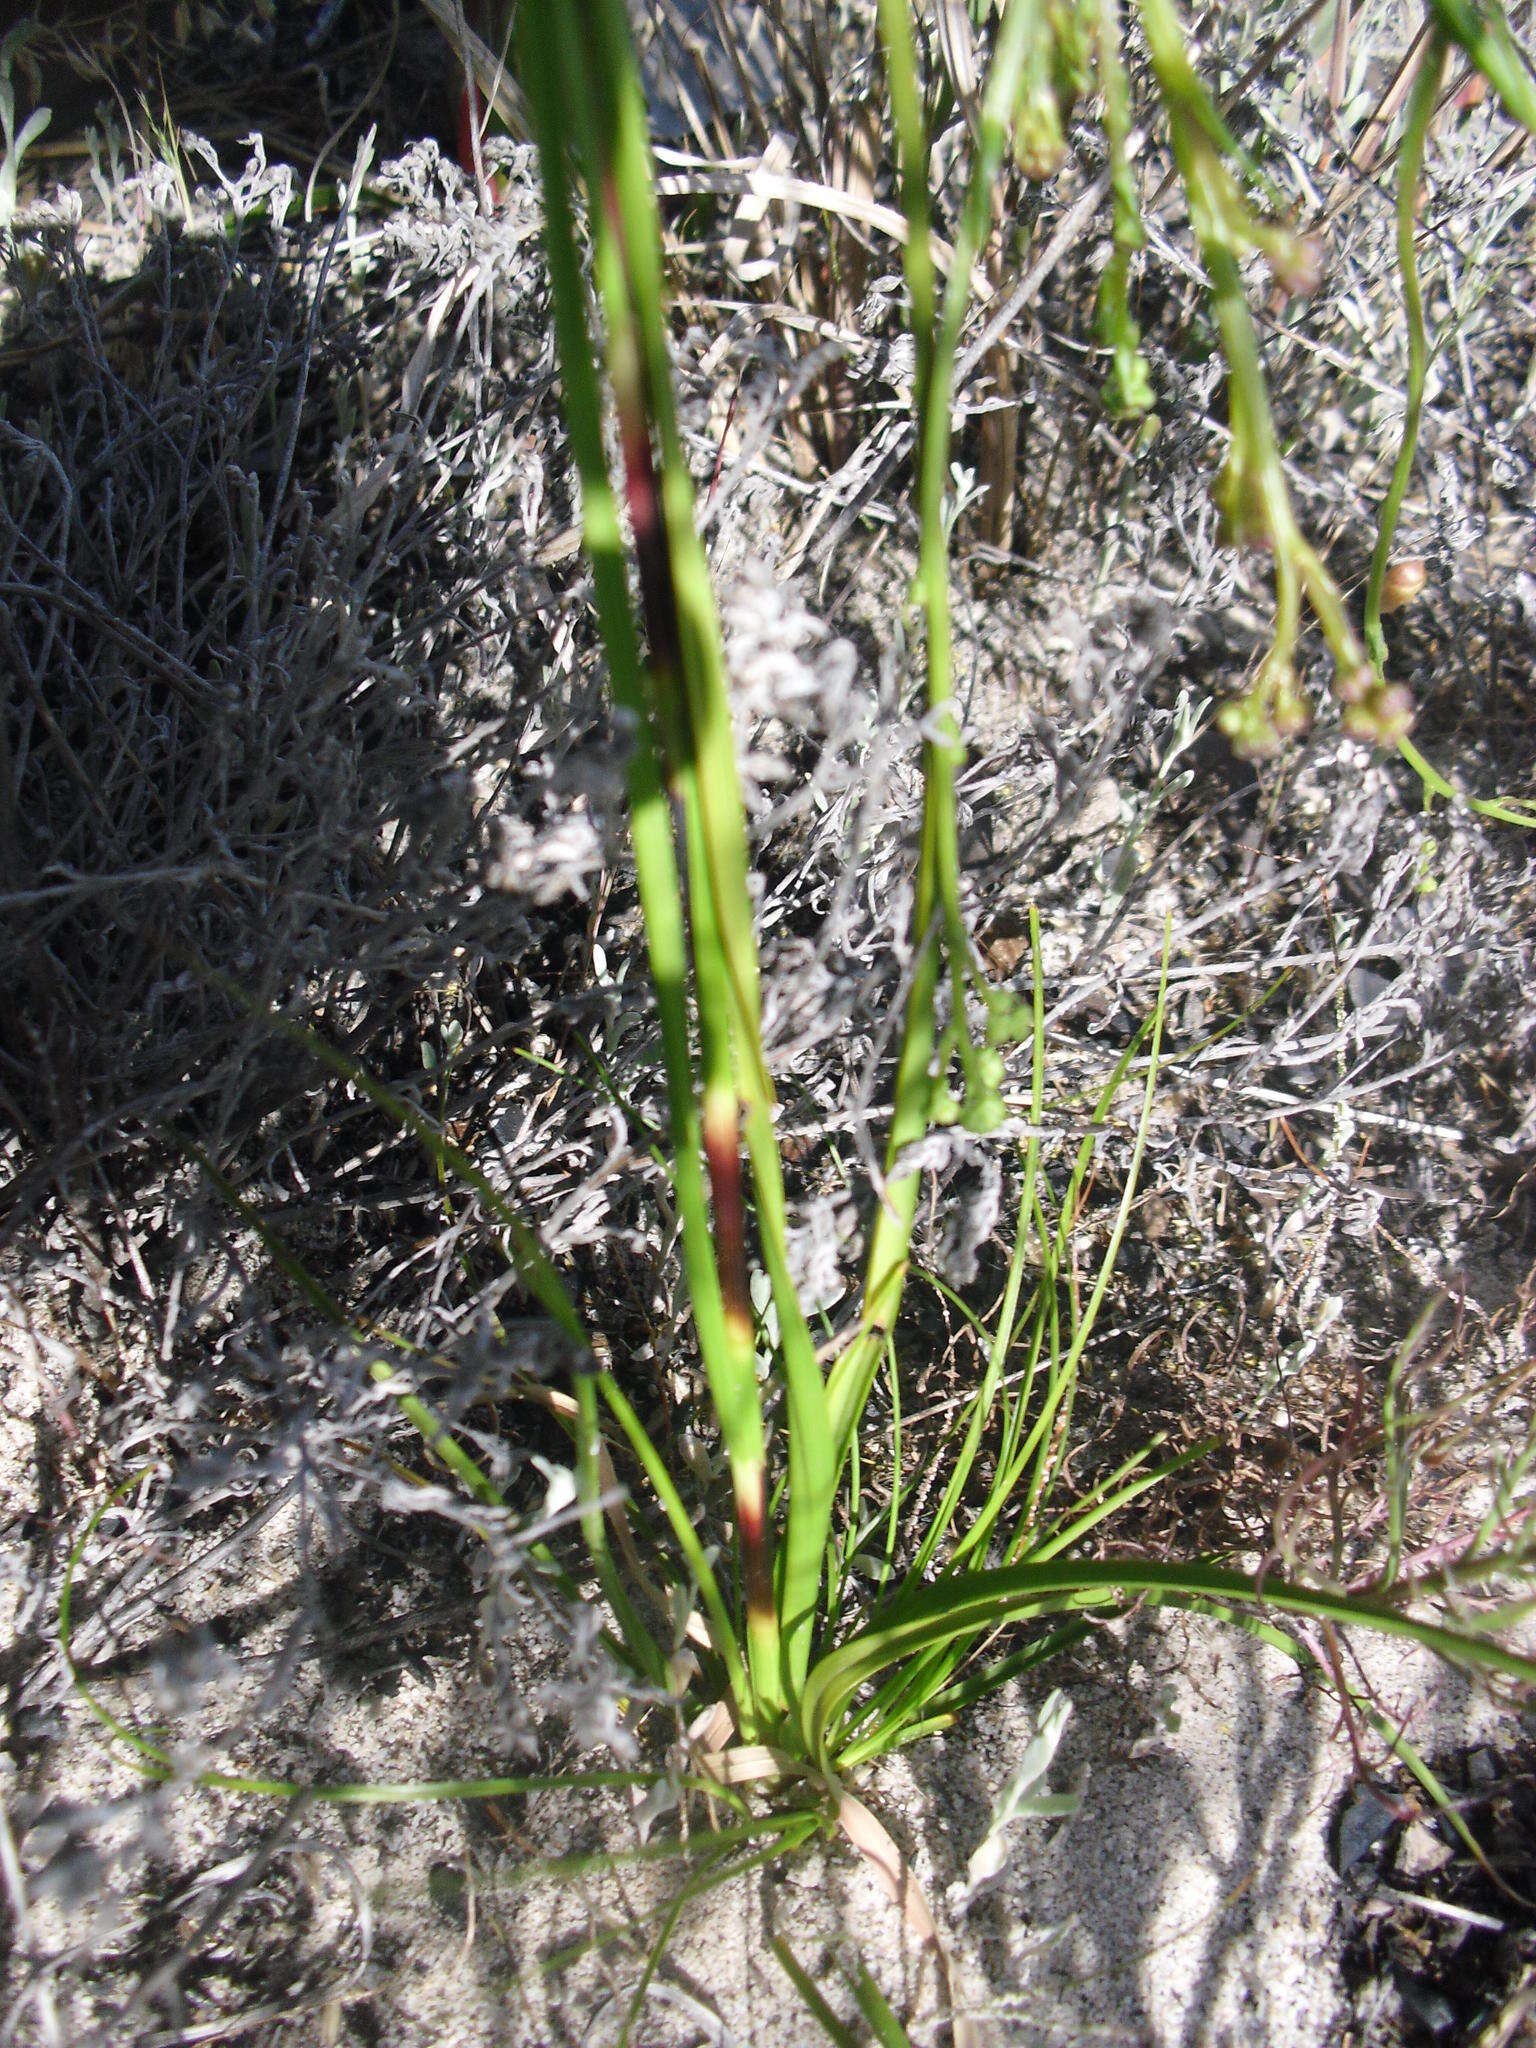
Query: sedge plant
point(819, 1667)
point(815, 1682)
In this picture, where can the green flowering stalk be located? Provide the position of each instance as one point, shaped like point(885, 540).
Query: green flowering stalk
point(1250, 491)
point(1128, 387)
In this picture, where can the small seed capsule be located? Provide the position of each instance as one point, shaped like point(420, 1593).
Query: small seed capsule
point(1402, 583)
point(1297, 262)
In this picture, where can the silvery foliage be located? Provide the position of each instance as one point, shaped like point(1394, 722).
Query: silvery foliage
point(1022, 1798)
point(480, 726)
point(832, 764)
point(595, 1698)
point(820, 1248)
point(834, 788)
point(973, 1209)
point(545, 861)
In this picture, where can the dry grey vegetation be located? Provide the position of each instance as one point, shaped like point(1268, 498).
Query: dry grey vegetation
point(303, 721)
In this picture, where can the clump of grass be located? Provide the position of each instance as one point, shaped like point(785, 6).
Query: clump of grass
point(213, 732)
point(676, 698)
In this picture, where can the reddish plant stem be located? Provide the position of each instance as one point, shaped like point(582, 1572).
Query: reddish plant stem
point(752, 1535)
point(722, 1156)
point(722, 1138)
point(658, 599)
point(647, 522)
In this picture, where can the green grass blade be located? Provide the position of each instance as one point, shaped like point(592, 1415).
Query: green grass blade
point(1111, 1495)
point(721, 1634)
point(839, 2035)
point(955, 1699)
point(987, 1600)
point(561, 92)
point(1002, 1337)
point(882, 2022)
point(729, 997)
point(642, 1645)
point(1482, 30)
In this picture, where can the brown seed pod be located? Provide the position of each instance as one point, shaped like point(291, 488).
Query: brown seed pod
point(1354, 685)
point(1403, 582)
point(1297, 263)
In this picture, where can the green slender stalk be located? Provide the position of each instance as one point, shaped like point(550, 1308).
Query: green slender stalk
point(1045, 1480)
point(718, 867)
point(1486, 40)
point(936, 902)
point(810, 1995)
point(722, 1153)
point(943, 755)
point(1002, 1337)
point(912, 152)
point(1479, 1561)
point(893, 1525)
point(885, 1268)
point(721, 1634)
point(688, 676)
point(550, 40)
point(1410, 166)
point(886, 1264)
point(1482, 30)
point(594, 1529)
point(1128, 390)
point(878, 2017)
point(1503, 810)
